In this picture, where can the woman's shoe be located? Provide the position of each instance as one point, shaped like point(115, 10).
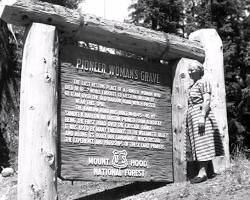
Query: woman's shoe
point(198, 179)
point(211, 176)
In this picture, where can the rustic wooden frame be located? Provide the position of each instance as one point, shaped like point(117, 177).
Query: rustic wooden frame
point(137, 40)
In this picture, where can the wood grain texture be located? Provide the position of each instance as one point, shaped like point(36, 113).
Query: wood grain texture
point(118, 35)
point(38, 115)
point(179, 111)
point(75, 156)
point(214, 69)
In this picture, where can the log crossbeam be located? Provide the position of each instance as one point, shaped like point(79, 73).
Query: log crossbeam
point(85, 27)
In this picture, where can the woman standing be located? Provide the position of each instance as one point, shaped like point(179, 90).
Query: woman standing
point(202, 128)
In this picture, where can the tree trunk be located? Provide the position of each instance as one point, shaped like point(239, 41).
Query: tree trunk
point(38, 115)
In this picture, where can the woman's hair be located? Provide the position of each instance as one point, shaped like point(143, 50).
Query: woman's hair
point(196, 66)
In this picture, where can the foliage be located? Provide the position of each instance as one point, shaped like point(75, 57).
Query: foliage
point(162, 15)
point(232, 21)
point(9, 84)
point(67, 3)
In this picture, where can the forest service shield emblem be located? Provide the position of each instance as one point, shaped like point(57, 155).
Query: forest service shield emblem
point(119, 159)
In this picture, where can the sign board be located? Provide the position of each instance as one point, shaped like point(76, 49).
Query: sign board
point(115, 117)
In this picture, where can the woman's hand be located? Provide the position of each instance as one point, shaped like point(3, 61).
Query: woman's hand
point(201, 125)
point(204, 112)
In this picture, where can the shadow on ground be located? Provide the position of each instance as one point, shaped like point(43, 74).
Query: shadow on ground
point(124, 191)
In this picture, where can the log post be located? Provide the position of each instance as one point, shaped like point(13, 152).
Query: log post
point(179, 109)
point(214, 70)
point(38, 115)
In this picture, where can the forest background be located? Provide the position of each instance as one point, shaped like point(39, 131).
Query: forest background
point(230, 18)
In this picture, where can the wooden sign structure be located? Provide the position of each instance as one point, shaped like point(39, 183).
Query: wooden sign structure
point(115, 118)
point(37, 170)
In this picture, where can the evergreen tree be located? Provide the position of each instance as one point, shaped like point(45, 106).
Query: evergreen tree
point(161, 15)
point(8, 92)
point(230, 19)
point(10, 71)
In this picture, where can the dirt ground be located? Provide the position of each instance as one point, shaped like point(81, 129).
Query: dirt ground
point(233, 184)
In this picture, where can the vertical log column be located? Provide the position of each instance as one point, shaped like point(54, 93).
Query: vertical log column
point(38, 115)
point(179, 110)
point(214, 70)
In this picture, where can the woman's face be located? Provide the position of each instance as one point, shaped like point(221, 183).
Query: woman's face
point(194, 74)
